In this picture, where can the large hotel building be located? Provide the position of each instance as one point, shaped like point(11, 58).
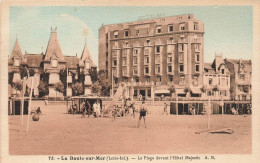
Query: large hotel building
point(151, 55)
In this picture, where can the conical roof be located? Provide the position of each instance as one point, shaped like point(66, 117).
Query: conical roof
point(86, 56)
point(53, 48)
point(17, 51)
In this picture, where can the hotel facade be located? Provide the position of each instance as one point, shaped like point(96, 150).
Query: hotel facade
point(149, 56)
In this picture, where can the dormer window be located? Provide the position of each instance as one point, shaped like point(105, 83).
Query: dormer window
point(16, 62)
point(54, 63)
point(182, 27)
point(158, 29)
point(126, 33)
point(115, 34)
point(223, 71)
point(170, 28)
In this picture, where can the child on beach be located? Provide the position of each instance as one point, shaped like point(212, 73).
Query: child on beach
point(143, 111)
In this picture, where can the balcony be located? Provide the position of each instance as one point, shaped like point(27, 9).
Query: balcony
point(182, 41)
point(147, 44)
point(170, 42)
point(158, 42)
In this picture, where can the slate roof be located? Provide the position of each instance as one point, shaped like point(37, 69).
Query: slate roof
point(71, 61)
point(53, 48)
point(34, 60)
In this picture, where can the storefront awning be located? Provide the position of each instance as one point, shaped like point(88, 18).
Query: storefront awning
point(162, 91)
point(196, 90)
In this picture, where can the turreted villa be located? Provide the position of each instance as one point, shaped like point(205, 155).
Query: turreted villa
point(51, 68)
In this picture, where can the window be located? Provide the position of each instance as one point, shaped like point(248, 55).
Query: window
point(169, 59)
point(182, 47)
point(125, 80)
point(158, 69)
point(148, 79)
point(210, 81)
point(170, 28)
point(148, 42)
point(146, 70)
point(136, 79)
point(197, 58)
point(210, 93)
point(195, 26)
point(115, 62)
point(136, 51)
point(227, 80)
point(135, 60)
point(135, 71)
point(169, 68)
point(170, 78)
point(54, 63)
point(157, 49)
point(115, 34)
point(149, 92)
point(182, 27)
point(223, 71)
point(146, 59)
point(126, 33)
point(197, 68)
point(181, 68)
point(158, 29)
point(171, 38)
point(16, 62)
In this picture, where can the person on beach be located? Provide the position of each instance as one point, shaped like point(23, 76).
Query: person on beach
point(142, 111)
point(114, 113)
point(74, 109)
point(98, 109)
point(165, 108)
point(83, 109)
point(95, 109)
point(88, 107)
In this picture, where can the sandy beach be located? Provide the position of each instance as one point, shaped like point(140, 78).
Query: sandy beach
point(60, 133)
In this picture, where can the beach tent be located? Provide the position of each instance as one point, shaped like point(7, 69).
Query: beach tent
point(117, 97)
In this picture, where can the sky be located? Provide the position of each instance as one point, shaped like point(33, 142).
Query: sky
point(228, 29)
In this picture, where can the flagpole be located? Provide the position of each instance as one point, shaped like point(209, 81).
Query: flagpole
point(24, 85)
point(29, 107)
